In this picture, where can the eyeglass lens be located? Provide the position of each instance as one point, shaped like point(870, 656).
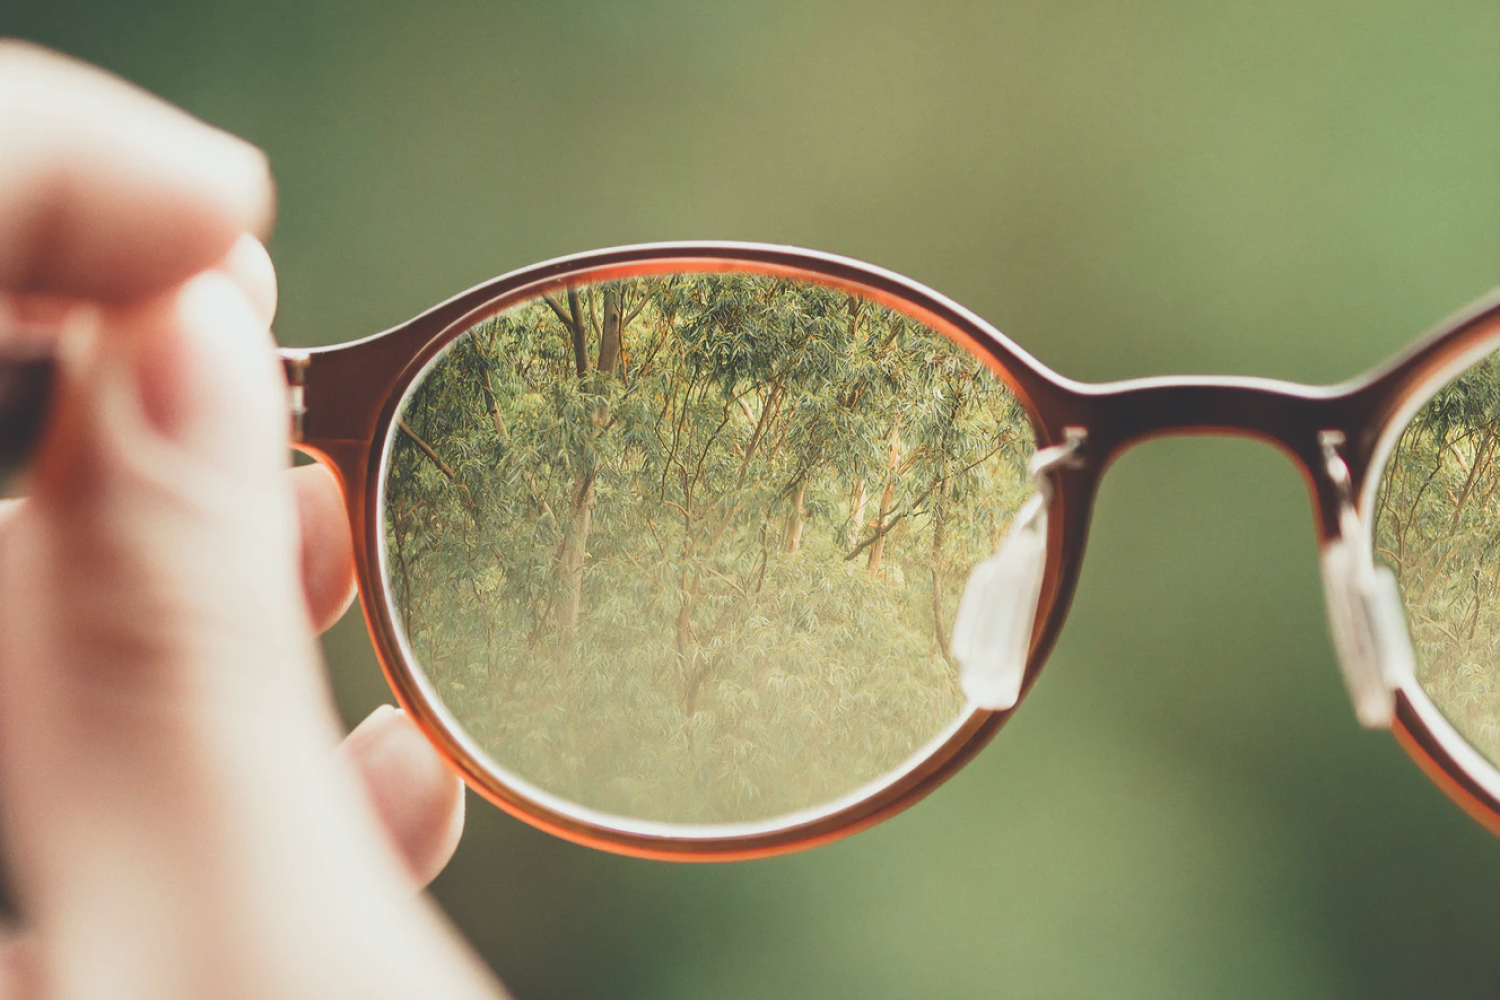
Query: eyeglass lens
point(688, 548)
point(1437, 523)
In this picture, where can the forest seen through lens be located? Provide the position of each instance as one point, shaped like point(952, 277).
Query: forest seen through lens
point(1438, 524)
point(688, 548)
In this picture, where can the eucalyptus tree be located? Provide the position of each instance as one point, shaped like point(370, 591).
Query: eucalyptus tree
point(1438, 524)
point(690, 546)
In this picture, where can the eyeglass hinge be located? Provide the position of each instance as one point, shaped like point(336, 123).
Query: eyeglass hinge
point(1330, 442)
point(1067, 455)
point(295, 364)
point(1365, 610)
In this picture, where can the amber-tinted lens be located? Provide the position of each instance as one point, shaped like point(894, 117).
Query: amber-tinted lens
point(687, 548)
point(1437, 523)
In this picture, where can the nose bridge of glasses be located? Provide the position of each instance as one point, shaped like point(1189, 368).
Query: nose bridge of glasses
point(1287, 415)
point(1324, 430)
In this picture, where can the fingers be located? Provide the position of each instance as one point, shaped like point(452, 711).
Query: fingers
point(417, 797)
point(171, 808)
point(108, 193)
point(249, 266)
point(18, 971)
point(164, 721)
point(327, 548)
point(327, 555)
point(161, 691)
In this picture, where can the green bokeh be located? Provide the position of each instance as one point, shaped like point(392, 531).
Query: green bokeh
point(1185, 807)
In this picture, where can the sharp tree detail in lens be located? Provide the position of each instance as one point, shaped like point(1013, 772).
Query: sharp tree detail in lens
point(688, 548)
point(1438, 525)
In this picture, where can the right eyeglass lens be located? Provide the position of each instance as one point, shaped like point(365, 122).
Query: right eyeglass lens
point(688, 548)
point(1437, 524)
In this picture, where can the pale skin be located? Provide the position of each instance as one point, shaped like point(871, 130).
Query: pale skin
point(179, 817)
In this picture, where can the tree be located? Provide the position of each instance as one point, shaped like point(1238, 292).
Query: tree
point(638, 582)
point(1438, 524)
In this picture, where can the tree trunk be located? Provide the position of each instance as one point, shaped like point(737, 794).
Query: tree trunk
point(939, 530)
point(856, 306)
point(861, 500)
point(687, 592)
point(575, 551)
point(489, 402)
point(692, 659)
point(576, 328)
point(609, 339)
point(1481, 458)
point(791, 539)
point(877, 548)
point(405, 602)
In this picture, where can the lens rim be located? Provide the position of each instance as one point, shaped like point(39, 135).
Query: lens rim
point(353, 435)
point(1397, 393)
point(345, 399)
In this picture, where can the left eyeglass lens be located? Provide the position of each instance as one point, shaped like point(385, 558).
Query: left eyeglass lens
point(688, 548)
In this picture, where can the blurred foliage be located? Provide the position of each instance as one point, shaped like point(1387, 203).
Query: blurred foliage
point(689, 548)
point(1184, 807)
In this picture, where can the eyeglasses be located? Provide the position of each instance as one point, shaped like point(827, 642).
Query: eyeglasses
point(721, 550)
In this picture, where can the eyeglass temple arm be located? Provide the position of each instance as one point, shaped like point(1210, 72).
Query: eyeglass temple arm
point(294, 362)
point(26, 380)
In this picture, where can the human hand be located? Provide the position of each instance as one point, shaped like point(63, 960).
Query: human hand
point(175, 820)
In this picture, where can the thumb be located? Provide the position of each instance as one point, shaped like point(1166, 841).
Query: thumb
point(163, 722)
point(159, 473)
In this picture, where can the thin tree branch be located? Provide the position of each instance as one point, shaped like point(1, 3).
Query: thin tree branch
point(557, 308)
point(645, 298)
point(580, 342)
point(426, 449)
point(880, 533)
point(489, 402)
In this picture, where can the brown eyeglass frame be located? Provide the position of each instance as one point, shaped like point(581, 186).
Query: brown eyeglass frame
point(345, 400)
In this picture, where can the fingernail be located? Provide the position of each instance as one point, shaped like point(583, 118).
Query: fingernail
point(375, 728)
point(376, 720)
point(389, 742)
point(250, 267)
point(258, 189)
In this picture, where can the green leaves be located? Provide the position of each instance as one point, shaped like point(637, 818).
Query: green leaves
point(1438, 524)
point(707, 575)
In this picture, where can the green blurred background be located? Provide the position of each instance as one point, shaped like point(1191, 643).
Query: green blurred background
point(1185, 807)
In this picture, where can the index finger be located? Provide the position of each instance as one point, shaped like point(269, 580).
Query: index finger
point(108, 193)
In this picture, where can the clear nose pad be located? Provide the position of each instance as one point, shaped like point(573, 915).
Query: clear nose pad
point(992, 630)
point(1369, 632)
point(997, 612)
point(1365, 611)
